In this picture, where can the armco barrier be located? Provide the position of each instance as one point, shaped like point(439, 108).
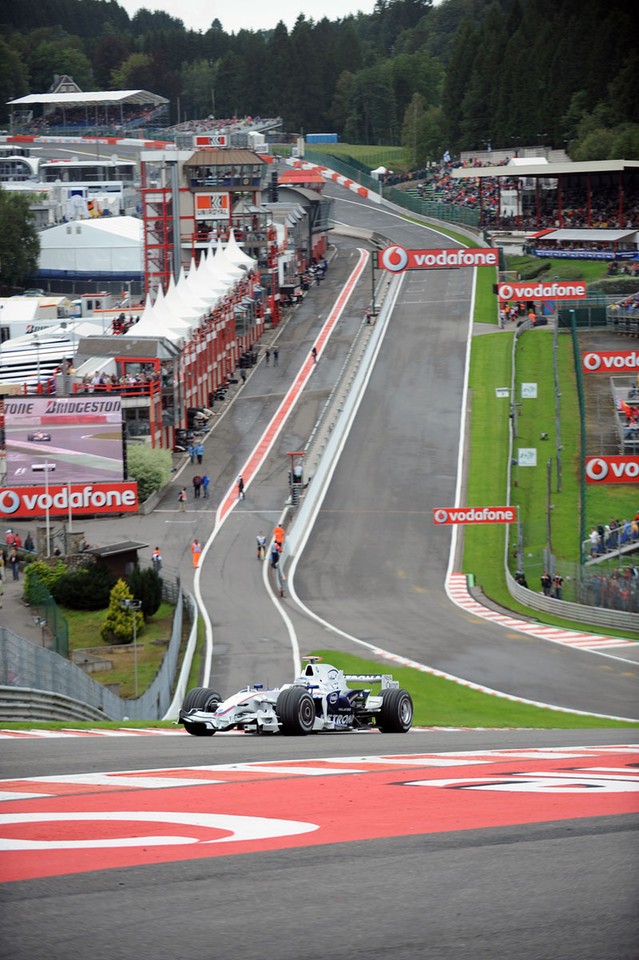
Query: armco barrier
point(28, 667)
point(596, 617)
point(24, 704)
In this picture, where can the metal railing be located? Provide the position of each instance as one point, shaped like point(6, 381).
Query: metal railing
point(34, 669)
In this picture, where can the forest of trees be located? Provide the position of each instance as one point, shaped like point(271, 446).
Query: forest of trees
point(459, 75)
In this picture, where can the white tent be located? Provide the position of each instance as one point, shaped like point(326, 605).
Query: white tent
point(236, 255)
point(100, 248)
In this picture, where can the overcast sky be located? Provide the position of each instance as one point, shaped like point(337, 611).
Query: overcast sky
point(236, 15)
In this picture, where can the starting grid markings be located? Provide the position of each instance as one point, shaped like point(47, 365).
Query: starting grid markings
point(458, 591)
point(36, 788)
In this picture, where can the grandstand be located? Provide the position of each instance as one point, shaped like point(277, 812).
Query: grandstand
point(601, 194)
point(80, 111)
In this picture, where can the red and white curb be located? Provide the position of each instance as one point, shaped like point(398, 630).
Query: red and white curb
point(338, 178)
point(457, 590)
point(20, 139)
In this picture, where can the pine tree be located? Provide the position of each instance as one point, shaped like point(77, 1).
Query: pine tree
point(118, 626)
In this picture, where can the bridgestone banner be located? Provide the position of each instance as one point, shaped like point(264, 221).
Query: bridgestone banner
point(541, 291)
point(397, 259)
point(612, 469)
point(78, 499)
point(607, 361)
point(446, 515)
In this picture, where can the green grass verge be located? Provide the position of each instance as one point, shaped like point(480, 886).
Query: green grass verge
point(84, 633)
point(484, 546)
point(588, 270)
point(438, 703)
point(444, 703)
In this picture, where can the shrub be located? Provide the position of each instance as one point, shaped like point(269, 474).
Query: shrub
point(146, 585)
point(38, 572)
point(151, 468)
point(88, 588)
point(118, 626)
point(535, 271)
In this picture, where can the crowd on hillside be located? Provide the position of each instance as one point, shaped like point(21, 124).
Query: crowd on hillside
point(539, 209)
point(105, 118)
point(232, 124)
point(608, 537)
point(616, 591)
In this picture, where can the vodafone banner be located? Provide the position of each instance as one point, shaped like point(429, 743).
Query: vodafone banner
point(541, 291)
point(612, 469)
point(621, 361)
point(444, 515)
point(396, 258)
point(82, 499)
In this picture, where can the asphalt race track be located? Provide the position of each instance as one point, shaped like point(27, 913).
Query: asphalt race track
point(166, 846)
point(434, 844)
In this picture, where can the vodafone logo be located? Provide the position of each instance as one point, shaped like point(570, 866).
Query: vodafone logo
point(443, 515)
point(596, 469)
point(542, 291)
point(9, 502)
point(80, 498)
point(612, 469)
point(394, 259)
point(624, 360)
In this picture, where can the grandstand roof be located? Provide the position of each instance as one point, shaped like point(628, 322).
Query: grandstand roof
point(93, 98)
point(591, 236)
point(213, 156)
point(546, 169)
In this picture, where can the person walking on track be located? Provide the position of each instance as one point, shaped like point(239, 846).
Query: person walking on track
point(196, 552)
point(240, 487)
point(261, 546)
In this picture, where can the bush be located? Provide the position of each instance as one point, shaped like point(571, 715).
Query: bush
point(535, 271)
point(146, 585)
point(151, 468)
point(118, 626)
point(38, 572)
point(88, 588)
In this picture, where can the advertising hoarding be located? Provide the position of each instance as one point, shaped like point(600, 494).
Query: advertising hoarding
point(539, 290)
point(610, 361)
point(396, 259)
point(612, 469)
point(447, 515)
point(78, 499)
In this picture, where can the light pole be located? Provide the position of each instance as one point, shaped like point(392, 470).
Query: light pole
point(44, 468)
point(134, 606)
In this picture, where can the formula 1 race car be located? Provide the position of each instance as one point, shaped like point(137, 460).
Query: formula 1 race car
point(318, 699)
point(39, 435)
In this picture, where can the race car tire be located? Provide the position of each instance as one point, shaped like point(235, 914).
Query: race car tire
point(212, 701)
point(396, 713)
point(199, 698)
point(295, 711)
point(192, 699)
point(198, 730)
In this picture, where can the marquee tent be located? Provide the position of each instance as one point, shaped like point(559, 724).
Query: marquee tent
point(104, 248)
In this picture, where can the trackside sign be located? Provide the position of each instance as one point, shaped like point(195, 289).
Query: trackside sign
point(612, 469)
point(396, 258)
point(444, 515)
point(80, 499)
point(620, 361)
point(541, 291)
